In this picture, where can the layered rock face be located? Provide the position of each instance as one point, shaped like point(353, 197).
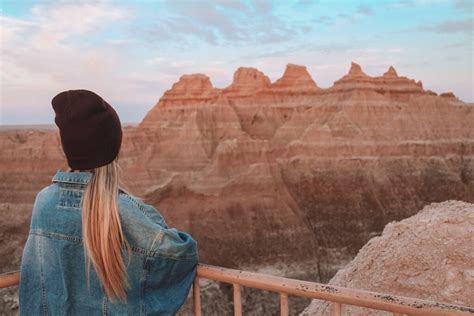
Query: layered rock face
point(261, 172)
point(247, 81)
point(388, 84)
point(427, 256)
point(295, 78)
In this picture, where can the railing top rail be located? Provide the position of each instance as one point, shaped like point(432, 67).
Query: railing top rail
point(392, 303)
point(9, 279)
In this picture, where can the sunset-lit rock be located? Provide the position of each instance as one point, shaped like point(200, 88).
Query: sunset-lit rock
point(391, 73)
point(247, 81)
point(295, 77)
point(390, 84)
point(267, 168)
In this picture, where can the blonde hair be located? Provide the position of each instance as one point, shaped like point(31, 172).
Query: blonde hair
point(102, 233)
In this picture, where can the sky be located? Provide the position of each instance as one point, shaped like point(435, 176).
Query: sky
point(130, 52)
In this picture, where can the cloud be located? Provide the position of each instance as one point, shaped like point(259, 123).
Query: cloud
point(232, 4)
point(262, 6)
point(223, 23)
point(69, 20)
point(361, 11)
point(323, 19)
point(450, 26)
point(400, 4)
point(464, 5)
point(130, 52)
point(288, 52)
point(56, 49)
point(365, 10)
point(458, 45)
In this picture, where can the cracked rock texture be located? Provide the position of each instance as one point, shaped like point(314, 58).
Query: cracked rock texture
point(428, 256)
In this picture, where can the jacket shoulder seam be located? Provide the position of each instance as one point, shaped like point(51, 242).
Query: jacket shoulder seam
point(141, 206)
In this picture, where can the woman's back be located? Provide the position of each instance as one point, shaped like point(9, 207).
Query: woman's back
point(92, 248)
point(160, 272)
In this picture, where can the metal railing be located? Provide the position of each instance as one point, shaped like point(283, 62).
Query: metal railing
point(398, 305)
point(9, 279)
point(337, 295)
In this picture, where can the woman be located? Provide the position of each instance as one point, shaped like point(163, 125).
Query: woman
point(94, 249)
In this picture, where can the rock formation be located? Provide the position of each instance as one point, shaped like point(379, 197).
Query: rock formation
point(390, 84)
point(254, 169)
point(449, 95)
point(247, 81)
point(427, 256)
point(391, 73)
point(295, 78)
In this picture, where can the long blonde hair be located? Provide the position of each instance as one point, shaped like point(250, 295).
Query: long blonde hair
point(102, 233)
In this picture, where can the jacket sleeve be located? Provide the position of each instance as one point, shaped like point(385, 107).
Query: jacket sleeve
point(171, 272)
point(155, 215)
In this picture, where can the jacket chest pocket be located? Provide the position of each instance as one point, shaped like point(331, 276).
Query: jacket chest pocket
point(70, 198)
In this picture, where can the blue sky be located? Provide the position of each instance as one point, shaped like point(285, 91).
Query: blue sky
point(130, 52)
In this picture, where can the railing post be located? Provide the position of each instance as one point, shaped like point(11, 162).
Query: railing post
point(283, 304)
point(237, 300)
point(197, 297)
point(337, 309)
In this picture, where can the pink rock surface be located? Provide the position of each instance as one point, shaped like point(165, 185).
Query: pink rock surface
point(251, 170)
point(427, 256)
point(356, 71)
point(391, 72)
point(448, 95)
point(389, 84)
point(295, 77)
point(247, 81)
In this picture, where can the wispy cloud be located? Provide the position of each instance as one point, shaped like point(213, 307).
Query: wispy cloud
point(450, 26)
point(365, 9)
point(464, 5)
point(131, 51)
point(400, 4)
point(223, 23)
point(55, 50)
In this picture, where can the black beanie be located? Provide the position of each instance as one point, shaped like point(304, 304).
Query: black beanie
point(90, 129)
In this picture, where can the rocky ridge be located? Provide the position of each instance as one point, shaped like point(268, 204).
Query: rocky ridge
point(287, 160)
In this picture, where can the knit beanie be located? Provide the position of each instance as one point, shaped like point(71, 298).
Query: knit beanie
point(90, 129)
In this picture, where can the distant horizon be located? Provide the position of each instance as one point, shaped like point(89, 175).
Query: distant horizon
point(51, 125)
point(132, 123)
point(131, 52)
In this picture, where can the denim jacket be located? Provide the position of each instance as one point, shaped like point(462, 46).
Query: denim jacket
point(53, 280)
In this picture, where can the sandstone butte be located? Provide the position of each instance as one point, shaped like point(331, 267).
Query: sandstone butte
point(265, 173)
point(428, 256)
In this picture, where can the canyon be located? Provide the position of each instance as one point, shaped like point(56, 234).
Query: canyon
point(282, 174)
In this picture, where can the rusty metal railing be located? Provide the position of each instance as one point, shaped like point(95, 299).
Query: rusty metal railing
point(9, 279)
point(339, 296)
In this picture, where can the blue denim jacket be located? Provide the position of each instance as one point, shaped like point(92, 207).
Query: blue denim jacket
point(53, 271)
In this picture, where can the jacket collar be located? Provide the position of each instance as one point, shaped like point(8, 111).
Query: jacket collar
point(82, 177)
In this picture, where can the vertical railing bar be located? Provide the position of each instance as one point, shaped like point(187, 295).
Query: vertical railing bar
point(283, 304)
point(337, 309)
point(197, 297)
point(237, 300)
